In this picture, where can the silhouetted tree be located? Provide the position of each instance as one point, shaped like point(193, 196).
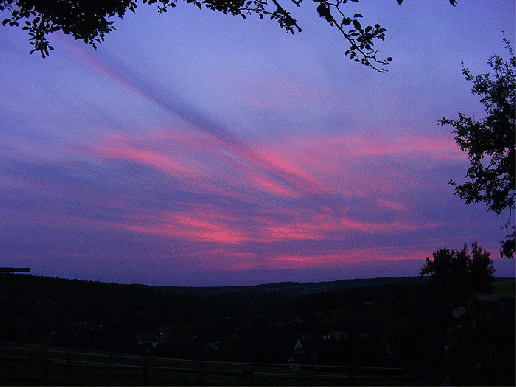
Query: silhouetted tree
point(481, 269)
point(90, 20)
point(457, 273)
point(490, 142)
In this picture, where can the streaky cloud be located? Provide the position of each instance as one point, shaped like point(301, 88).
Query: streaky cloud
point(110, 66)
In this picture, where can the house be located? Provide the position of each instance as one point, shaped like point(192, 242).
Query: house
point(212, 346)
point(336, 336)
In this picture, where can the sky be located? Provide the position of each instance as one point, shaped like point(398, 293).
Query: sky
point(198, 149)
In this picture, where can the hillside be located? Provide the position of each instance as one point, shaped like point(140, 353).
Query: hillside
point(296, 288)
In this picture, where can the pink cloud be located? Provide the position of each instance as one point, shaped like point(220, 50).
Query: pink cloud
point(190, 156)
point(287, 173)
point(269, 186)
point(285, 166)
point(370, 145)
point(346, 256)
point(331, 227)
point(97, 65)
point(299, 231)
point(196, 226)
point(357, 164)
point(146, 157)
point(298, 172)
point(223, 225)
point(392, 205)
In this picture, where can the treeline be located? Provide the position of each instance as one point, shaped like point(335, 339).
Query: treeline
point(402, 323)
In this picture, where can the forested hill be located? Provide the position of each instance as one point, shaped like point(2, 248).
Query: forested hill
point(296, 288)
point(57, 299)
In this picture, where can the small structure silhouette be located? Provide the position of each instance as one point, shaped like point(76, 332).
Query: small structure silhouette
point(14, 269)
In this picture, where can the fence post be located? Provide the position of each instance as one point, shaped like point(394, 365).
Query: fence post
point(351, 379)
point(201, 372)
point(246, 375)
point(46, 365)
point(2, 370)
point(111, 366)
point(27, 355)
point(153, 373)
point(68, 365)
point(144, 374)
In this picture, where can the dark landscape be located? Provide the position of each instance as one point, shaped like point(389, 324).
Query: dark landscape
point(386, 331)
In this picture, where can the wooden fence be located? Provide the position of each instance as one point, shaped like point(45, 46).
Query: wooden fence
point(26, 365)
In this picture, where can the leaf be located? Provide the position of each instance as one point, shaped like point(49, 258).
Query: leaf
point(357, 24)
point(323, 10)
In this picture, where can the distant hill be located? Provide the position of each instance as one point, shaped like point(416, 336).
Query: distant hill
point(295, 288)
point(290, 288)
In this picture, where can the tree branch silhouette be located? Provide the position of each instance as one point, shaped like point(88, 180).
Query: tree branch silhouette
point(91, 20)
point(490, 142)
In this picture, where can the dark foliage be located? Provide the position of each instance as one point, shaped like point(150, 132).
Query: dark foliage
point(91, 20)
point(459, 274)
point(490, 142)
point(480, 349)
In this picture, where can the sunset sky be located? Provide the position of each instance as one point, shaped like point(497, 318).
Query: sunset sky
point(194, 148)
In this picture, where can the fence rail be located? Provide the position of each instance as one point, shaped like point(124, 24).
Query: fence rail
point(49, 366)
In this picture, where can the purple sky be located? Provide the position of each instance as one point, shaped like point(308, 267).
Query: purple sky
point(194, 148)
